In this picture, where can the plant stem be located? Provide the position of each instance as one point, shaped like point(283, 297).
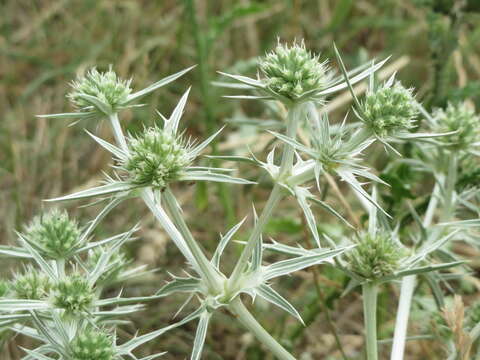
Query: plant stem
point(247, 320)
point(275, 196)
point(370, 293)
point(207, 268)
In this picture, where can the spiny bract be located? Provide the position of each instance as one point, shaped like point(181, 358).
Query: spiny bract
point(92, 344)
point(156, 158)
point(73, 294)
point(116, 264)
point(375, 256)
point(389, 110)
point(104, 86)
point(31, 285)
point(293, 71)
point(54, 234)
point(460, 118)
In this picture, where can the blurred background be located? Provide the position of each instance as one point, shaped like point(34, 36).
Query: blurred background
point(45, 44)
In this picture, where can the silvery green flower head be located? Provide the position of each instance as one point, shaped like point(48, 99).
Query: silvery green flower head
point(92, 344)
point(98, 94)
point(54, 235)
point(375, 256)
point(105, 87)
point(460, 119)
point(73, 294)
point(292, 74)
point(157, 157)
point(388, 111)
point(31, 285)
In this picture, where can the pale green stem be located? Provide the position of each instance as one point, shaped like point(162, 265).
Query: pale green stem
point(408, 282)
point(370, 293)
point(247, 320)
point(215, 280)
point(275, 196)
point(60, 264)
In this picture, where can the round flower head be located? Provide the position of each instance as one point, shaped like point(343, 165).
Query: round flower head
point(106, 87)
point(459, 118)
point(54, 235)
point(73, 294)
point(92, 344)
point(389, 110)
point(156, 158)
point(375, 256)
point(31, 285)
point(116, 264)
point(293, 71)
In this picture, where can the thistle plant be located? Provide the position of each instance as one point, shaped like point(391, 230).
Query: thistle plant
point(67, 312)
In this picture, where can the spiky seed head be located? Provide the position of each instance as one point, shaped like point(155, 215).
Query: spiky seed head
point(54, 235)
point(105, 86)
point(31, 285)
point(389, 109)
point(156, 158)
point(73, 294)
point(460, 118)
point(92, 344)
point(292, 71)
point(116, 264)
point(375, 256)
point(468, 174)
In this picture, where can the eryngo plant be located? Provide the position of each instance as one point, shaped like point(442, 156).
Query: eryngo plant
point(69, 317)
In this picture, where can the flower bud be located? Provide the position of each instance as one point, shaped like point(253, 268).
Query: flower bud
point(92, 344)
point(54, 235)
point(31, 285)
point(460, 118)
point(389, 110)
point(73, 294)
point(293, 71)
point(104, 86)
point(375, 256)
point(156, 158)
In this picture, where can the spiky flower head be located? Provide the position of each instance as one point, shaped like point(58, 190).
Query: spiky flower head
point(460, 118)
point(375, 257)
point(292, 71)
point(31, 285)
point(92, 344)
point(54, 234)
point(73, 294)
point(388, 110)
point(116, 264)
point(156, 158)
point(105, 86)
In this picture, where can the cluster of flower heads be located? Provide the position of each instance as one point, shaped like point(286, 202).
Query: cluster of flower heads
point(54, 235)
point(293, 71)
point(104, 86)
point(375, 256)
point(156, 158)
point(389, 109)
point(460, 119)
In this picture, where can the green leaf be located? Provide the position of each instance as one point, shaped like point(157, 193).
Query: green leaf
point(181, 284)
point(267, 293)
point(200, 335)
point(111, 188)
